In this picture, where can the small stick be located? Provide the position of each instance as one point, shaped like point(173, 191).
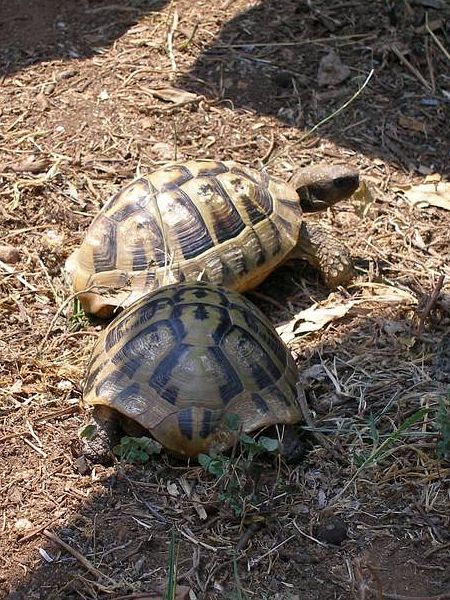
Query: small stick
point(307, 416)
point(59, 312)
point(436, 40)
point(429, 305)
point(35, 448)
point(170, 41)
point(255, 561)
point(270, 149)
point(12, 271)
point(402, 58)
point(80, 558)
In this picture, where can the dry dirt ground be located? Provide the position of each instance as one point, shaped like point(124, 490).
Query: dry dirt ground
point(79, 117)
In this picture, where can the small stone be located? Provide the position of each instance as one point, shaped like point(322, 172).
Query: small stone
point(9, 254)
point(164, 150)
point(64, 385)
point(53, 238)
point(333, 531)
point(283, 79)
point(23, 524)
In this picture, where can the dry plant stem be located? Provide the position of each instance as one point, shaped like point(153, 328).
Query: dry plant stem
point(436, 40)
point(329, 118)
point(59, 312)
point(81, 559)
point(307, 416)
point(402, 58)
point(431, 302)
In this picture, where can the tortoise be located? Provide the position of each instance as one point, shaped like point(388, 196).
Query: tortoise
point(207, 220)
point(179, 360)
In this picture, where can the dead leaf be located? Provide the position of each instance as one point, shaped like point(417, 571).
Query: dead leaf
point(332, 71)
point(412, 124)
point(312, 319)
point(429, 194)
point(174, 95)
point(172, 488)
point(362, 200)
point(31, 164)
point(319, 315)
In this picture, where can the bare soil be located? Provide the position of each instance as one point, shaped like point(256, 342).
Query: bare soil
point(79, 117)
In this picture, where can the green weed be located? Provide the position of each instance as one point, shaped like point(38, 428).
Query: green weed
point(233, 472)
point(443, 426)
point(136, 449)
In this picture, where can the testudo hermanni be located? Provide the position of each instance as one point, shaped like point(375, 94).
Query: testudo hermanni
point(178, 361)
point(207, 220)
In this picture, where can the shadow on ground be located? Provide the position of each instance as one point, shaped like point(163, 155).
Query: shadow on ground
point(32, 32)
point(267, 60)
point(121, 521)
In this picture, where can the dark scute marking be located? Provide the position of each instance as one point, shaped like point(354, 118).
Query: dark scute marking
point(255, 214)
point(185, 422)
point(261, 377)
point(262, 194)
point(236, 267)
point(251, 320)
point(162, 374)
point(142, 315)
point(140, 261)
point(276, 238)
point(273, 342)
point(260, 403)
point(132, 355)
point(171, 394)
point(149, 279)
point(124, 212)
point(264, 372)
point(234, 385)
point(211, 171)
point(264, 199)
point(227, 224)
point(194, 238)
point(200, 293)
point(207, 421)
point(259, 251)
point(92, 376)
point(105, 256)
point(124, 395)
point(237, 171)
point(224, 301)
point(291, 204)
point(185, 175)
point(278, 395)
point(288, 225)
point(113, 380)
point(158, 240)
point(201, 312)
point(223, 326)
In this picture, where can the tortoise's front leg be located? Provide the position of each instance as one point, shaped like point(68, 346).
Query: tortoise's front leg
point(324, 252)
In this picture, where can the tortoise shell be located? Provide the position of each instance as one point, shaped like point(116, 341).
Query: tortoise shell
point(216, 221)
point(182, 358)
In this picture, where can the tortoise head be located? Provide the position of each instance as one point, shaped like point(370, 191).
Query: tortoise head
point(321, 186)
